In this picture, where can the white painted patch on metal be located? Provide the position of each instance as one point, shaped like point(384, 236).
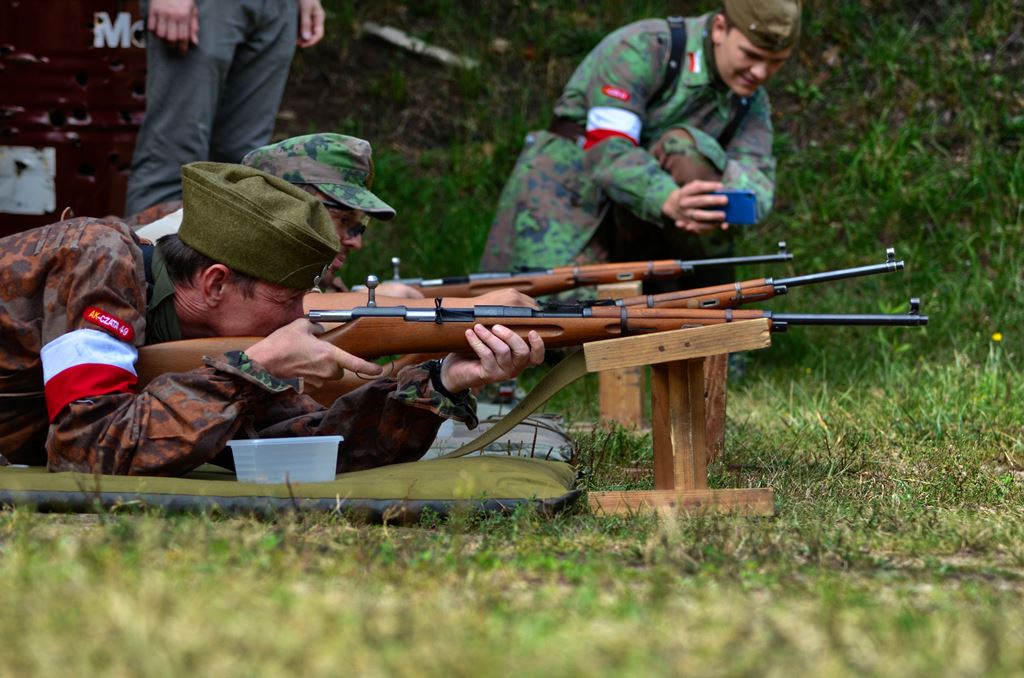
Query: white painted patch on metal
point(27, 180)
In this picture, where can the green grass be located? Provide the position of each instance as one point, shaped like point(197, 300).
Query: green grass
point(897, 456)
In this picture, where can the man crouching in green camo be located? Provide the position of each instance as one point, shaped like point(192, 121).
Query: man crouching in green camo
point(658, 116)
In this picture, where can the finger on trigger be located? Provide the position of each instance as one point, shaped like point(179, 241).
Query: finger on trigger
point(347, 361)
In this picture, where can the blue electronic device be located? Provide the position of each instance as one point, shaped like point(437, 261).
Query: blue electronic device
point(742, 207)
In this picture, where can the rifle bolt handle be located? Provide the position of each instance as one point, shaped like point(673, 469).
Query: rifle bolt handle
point(371, 287)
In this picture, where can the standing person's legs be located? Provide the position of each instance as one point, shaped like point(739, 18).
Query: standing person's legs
point(182, 92)
point(256, 81)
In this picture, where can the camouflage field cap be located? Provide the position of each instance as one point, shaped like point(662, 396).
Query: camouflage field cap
point(773, 25)
point(340, 166)
point(256, 223)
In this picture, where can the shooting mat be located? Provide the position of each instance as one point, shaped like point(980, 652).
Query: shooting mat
point(397, 494)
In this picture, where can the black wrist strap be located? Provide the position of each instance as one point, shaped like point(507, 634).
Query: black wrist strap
point(434, 367)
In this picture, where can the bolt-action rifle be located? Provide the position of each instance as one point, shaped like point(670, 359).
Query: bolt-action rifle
point(732, 295)
point(374, 331)
point(537, 282)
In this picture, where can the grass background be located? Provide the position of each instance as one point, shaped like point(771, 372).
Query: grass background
point(897, 456)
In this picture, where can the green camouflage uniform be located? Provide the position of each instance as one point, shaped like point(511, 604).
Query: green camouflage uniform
point(558, 194)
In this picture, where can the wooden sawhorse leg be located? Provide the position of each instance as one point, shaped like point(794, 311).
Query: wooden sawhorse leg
point(621, 392)
point(677, 425)
point(679, 436)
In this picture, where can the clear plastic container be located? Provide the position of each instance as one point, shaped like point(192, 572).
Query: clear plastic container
point(312, 459)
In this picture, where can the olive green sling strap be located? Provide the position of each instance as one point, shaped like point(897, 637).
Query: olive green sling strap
point(560, 376)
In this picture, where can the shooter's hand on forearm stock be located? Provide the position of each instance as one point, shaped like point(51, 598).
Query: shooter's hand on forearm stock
point(498, 354)
point(693, 209)
point(398, 291)
point(175, 21)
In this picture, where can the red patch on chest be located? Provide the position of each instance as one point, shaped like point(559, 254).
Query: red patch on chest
point(115, 326)
point(616, 93)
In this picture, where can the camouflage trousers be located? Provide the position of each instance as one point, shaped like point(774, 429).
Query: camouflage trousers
point(551, 214)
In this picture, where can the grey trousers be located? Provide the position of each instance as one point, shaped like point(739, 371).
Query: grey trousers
point(217, 102)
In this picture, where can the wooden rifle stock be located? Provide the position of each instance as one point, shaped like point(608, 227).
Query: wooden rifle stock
point(563, 278)
point(558, 279)
point(729, 295)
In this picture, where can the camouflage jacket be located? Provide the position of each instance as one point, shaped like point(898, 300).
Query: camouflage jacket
point(557, 193)
point(72, 314)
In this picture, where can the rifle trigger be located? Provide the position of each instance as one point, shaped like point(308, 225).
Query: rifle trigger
point(437, 310)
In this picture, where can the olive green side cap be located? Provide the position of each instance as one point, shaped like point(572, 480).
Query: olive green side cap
point(255, 223)
point(773, 25)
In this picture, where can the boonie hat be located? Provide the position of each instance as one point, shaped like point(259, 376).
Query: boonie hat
point(338, 165)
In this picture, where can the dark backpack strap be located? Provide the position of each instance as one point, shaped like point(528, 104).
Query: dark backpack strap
point(730, 130)
point(677, 36)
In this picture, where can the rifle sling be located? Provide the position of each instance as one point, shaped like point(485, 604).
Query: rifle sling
point(677, 45)
point(560, 376)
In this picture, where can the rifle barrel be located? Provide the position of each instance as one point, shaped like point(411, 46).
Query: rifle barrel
point(780, 321)
point(781, 255)
point(840, 274)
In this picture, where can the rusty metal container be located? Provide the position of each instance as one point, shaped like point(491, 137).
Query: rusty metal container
point(72, 96)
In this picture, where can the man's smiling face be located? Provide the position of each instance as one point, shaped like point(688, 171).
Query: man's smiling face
point(742, 66)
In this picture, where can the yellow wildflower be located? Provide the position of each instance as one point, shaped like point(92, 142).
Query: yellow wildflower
point(997, 336)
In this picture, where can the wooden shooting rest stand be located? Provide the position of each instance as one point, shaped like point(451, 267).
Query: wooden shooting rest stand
point(678, 417)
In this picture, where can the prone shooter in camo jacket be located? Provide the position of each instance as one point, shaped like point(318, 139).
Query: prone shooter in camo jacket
point(636, 146)
point(78, 297)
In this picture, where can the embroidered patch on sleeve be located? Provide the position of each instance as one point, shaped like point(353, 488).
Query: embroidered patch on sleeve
point(116, 326)
point(616, 93)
